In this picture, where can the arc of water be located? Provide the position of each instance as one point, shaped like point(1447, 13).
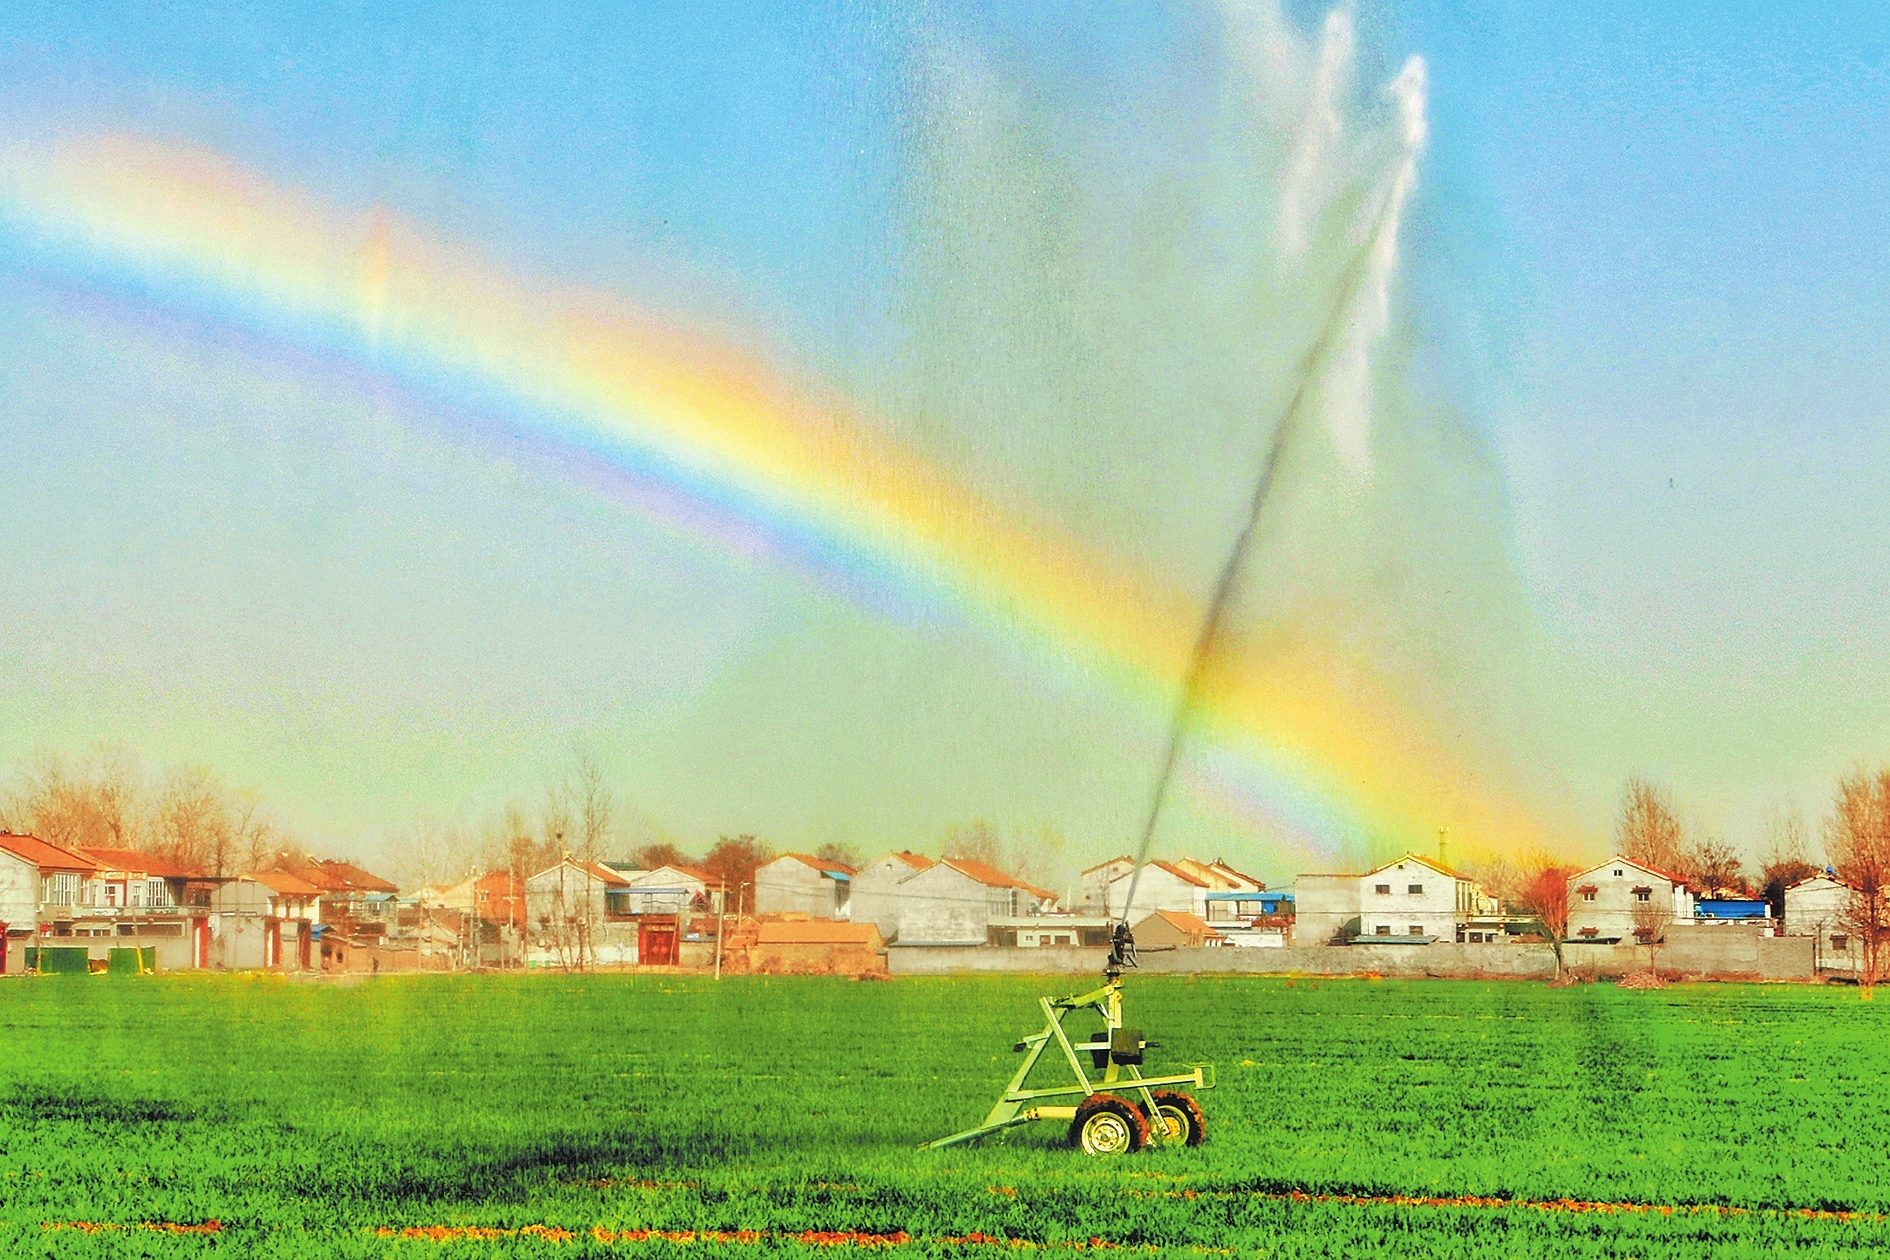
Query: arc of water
point(1374, 255)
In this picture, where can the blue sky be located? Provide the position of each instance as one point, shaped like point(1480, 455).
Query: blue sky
point(1652, 250)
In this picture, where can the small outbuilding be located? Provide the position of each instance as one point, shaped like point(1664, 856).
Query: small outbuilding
point(1177, 928)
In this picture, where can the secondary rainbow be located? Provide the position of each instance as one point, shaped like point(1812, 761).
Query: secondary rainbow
point(703, 436)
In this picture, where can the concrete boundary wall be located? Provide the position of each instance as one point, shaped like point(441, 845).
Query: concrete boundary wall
point(1734, 955)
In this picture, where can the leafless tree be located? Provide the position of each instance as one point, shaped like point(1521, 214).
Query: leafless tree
point(1714, 867)
point(192, 821)
point(1543, 894)
point(845, 854)
point(1648, 830)
point(1788, 857)
point(1651, 917)
point(593, 801)
point(1858, 840)
point(98, 802)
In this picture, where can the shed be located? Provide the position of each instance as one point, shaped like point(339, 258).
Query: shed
point(1177, 928)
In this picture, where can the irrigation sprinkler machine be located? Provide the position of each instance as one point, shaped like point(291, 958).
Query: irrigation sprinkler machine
point(1115, 1111)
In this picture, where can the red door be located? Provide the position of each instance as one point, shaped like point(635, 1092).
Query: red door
point(200, 942)
point(272, 942)
point(656, 942)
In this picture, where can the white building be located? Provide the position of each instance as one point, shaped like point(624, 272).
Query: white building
point(1185, 886)
point(875, 897)
point(797, 883)
point(678, 890)
point(1820, 907)
point(1604, 900)
point(1412, 900)
point(954, 901)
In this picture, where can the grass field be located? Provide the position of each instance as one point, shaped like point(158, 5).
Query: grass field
point(563, 1115)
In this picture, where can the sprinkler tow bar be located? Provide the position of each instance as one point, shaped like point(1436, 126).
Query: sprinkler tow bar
point(1101, 1122)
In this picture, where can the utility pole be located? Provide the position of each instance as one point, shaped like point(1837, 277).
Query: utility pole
point(721, 927)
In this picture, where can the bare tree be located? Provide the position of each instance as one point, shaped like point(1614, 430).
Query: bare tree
point(192, 821)
point(99, 802)
point(1713, 867)
point(1652, 911)
point(594, 805)
point(662, 853)
point(845, 854)
point(1648, 830)
point(732, 862)
point(1787, 857)
point(1858, 840)
point(978, 842)
point(1543, 894)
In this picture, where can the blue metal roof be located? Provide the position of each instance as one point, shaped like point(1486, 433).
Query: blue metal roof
point(1733, 908)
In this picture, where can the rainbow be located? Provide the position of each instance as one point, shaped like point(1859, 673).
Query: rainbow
point(692, 432)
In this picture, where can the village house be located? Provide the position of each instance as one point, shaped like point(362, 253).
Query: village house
point(42, 893)
point(265, 919)
point(1820, 907)
point(678, 890)
point(795, 883)
point(354, 902)
point(569, 913)
point(1412, 900)
point(1604, 900)
point(1207, 890)
point(876, 892)
point(954, 901)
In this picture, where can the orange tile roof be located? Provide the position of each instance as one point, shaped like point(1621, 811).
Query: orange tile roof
point(598, 870)
point(130, 860)
point(46, 856)
point(1111, 862)
point(818, 932)
point(1179, 873)
point(917, 861)
point(284, 883)
point(1624, 860)
point(989, 876)
point(1189, 924)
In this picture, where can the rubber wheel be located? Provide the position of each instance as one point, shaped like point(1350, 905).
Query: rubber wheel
point(1107, 1125)
point(1182, 1116)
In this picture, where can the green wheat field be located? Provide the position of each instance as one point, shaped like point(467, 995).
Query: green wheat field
point(656, 1116)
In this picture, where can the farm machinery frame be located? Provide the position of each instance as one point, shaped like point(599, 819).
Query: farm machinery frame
point(1117, 1111)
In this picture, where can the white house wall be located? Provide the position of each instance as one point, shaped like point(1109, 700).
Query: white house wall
point(791, 886)
point(1408, 899)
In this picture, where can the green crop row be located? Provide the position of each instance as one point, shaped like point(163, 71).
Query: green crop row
point(618, 1115)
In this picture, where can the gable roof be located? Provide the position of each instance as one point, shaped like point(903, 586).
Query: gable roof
point(1182, 921)
point(1620, 860)
point(820, 864)
point(1421, 860)
point(330, 876)
point(979, 872)
point(647, 879)
point(991, 877)
point(917, 861)
point(1111, 862)
point(1179, 872)
point(130, 860)
point(48, 857)
point(1827, 876)
point(283, 883)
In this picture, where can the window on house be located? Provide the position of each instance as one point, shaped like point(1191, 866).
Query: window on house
point(1617, 872)
point(1063, 940)
point(1643, 894)
point(1841, 943)
point(1384, 929)
point(156, 893)
point(1415, 890)
point(1476, 938)
point(1588, 896)
point(1383, 890)
point(1417, 929)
